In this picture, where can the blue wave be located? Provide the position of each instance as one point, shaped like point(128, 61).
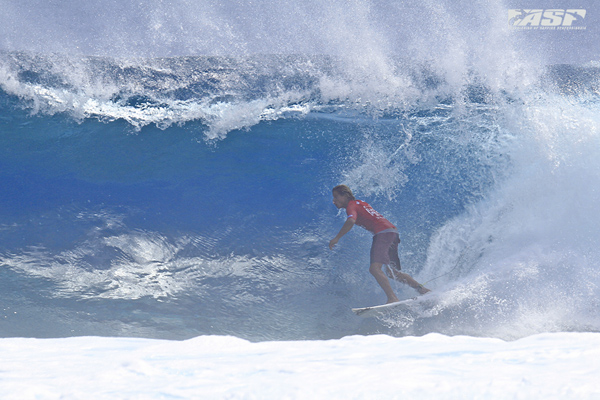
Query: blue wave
point(185, 196)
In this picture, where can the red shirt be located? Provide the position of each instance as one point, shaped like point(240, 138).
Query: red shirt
point(365, 216)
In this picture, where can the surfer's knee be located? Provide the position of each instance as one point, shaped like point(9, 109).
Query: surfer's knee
point(375, 269)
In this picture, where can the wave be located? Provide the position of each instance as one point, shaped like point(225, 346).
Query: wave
point(171, 196)
point(496, 207)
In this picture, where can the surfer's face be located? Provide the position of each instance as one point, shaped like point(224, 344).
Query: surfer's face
point(340, 200)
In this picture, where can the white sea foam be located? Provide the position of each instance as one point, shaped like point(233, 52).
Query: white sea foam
point(544, 366)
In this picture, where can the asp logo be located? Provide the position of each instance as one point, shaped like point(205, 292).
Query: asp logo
point(546, 18)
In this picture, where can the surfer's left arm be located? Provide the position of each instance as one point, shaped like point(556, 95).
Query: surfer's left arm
point(345, 229)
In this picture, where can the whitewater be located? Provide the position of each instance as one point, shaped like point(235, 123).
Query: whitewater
point(165, 200)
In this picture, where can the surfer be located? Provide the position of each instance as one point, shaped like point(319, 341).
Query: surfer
point(384, 249)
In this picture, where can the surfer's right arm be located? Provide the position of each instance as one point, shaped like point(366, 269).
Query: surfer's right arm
point(345, 229)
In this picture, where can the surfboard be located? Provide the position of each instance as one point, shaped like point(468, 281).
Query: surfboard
point(416, 304)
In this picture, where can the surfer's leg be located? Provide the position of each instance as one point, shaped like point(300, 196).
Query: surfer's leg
point(407, 279)
point(394, 270)
point(383, 281)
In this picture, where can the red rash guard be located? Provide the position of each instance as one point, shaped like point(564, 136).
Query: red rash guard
point(367, 217)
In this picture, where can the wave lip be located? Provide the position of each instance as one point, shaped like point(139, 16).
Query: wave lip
point(227, 93)
point(222, 93)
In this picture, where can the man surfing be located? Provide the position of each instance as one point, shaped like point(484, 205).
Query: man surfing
point(384, 249)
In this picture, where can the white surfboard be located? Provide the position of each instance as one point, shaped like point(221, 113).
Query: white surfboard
point(417, 304)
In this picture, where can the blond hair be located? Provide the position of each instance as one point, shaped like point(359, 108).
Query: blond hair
point(344, 191)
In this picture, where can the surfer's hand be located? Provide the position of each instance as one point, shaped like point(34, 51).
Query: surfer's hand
point(333, 242)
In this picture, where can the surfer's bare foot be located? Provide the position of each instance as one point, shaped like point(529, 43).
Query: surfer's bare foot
point(394, 300)
point(422, 289)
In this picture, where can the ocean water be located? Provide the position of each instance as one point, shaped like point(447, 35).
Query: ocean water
point(171, 185)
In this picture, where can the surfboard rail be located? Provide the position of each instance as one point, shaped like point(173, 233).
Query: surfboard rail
point(425, 301)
